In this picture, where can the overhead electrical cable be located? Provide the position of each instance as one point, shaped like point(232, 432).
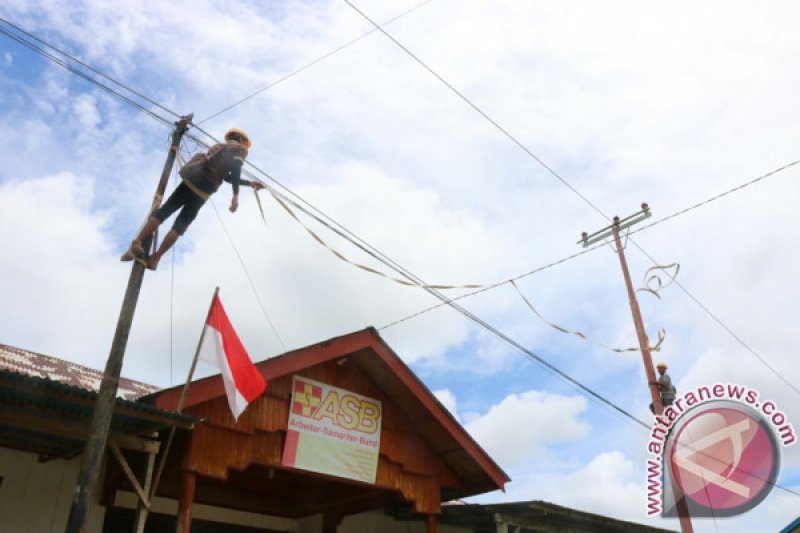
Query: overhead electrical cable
point(714, 198)
point(341, 230)
point(249, 278)
point(564, 182)
point(78, 72)
point(312, 63)
point(602, 245)
point(478, 109)
point(375, 253)
point(91, 68)
point(125, 99)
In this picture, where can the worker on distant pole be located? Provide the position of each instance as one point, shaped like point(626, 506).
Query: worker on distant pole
point(201, 177)
point(666, 389)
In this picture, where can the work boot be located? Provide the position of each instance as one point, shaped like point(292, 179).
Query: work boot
point(152, 262)
point(136, 250)
point(166, 244)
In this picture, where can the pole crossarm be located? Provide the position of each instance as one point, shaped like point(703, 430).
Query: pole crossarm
point(618, 224)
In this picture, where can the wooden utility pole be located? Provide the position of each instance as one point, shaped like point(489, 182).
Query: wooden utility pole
point(104, 406)
point(644, 343)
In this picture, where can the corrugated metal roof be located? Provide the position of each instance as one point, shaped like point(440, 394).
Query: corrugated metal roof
point(33, 364)
point(46, 405)
point(35, 385)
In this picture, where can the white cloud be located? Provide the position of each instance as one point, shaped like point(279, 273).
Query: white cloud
point(448, 399)
point(61, 274)
point(86, 110)
point(627, 103)
point(611, 484)
point(519, 429)
point(606, 486)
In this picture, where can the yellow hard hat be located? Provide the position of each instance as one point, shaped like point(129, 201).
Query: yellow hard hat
point(661, 365)
point(241, 133)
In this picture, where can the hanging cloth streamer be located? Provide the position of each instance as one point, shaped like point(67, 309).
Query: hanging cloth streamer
point(653, 282)
point(260, 209)
point(317, 238)
point(661, 333)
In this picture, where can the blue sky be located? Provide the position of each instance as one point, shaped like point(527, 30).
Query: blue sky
point(627, 102)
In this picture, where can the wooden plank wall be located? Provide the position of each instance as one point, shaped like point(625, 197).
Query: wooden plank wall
point(405, 464)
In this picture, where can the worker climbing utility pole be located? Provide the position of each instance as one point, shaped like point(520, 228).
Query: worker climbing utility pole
point(644, 343)
point(104, 406)
point(613, 230)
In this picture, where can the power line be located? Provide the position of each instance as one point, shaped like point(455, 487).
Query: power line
point(249, 278)
point(311, 64)
point(493, 286)
point(586, 250)
point(628, 416)
point(726, 328)
point(480, 111)
point(129, 101)
point(371, 251)
point(559, 178)
point(83, 75)
point(334, 226)
point(367, 248)
point(716, 197)
point(361, 244)
point(91, 68)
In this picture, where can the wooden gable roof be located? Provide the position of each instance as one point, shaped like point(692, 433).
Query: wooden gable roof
point(362, 362)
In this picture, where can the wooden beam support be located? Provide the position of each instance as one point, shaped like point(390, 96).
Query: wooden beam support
point(128, 472)
point(430, 523)
point(45, 423)
point(188, 484)
point(136, 444)
point(143, 510)
point(331, 521)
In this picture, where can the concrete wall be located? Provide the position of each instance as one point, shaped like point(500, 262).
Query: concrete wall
point(36, 497)
point(370, 522)
point(378, 522)
point(129, 500)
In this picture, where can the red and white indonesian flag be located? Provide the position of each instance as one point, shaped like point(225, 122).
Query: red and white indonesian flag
point(221, 347)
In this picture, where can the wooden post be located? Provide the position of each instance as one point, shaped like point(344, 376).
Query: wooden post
point(331, 521)
point(141, 509)
point(430, 523)
point(104, 406)
point(647, 357)
point(641, 334)
point(188, 482)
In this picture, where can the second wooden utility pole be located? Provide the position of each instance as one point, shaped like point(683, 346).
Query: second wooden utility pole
point(104, 406)
point(644, 343)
